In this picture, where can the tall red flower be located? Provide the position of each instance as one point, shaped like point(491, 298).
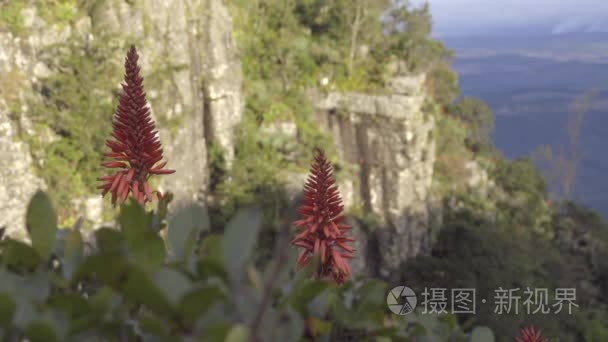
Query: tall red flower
point(321, 232)
point(135, 150)
point(530, 334)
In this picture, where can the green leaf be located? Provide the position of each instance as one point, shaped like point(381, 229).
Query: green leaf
point(372, 299)
point(303, 295)
point(145, 246)
point(41, 222)
point(291, 326)
point(197, 302)
point(184, 229)
point(208, 267)
point(173, 283)
point(77, 309)
point(238, 333)
point(19, 255)
point(72, 253)
point(319, 327)
point(7, 309)
point(128, 279)
point(41, 331)
point(110, 241)
point(133, 219)
point(238, 242)
point(482, 334)
point(140, 288)
point(210, 247)
point(153, 325)
point(216, 332)
point(147, 250)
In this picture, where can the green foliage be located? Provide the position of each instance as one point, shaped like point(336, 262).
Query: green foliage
point(443, 84)
point(287, 47)
point(485, 251)
point(128, 286)
point(53, 12)
point(77, 107)
point(479, 119)
point(41, 223)
point(525, 206)
point(10, 16)
point(408, 37)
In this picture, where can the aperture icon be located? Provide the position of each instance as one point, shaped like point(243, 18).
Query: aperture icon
point(401, 300)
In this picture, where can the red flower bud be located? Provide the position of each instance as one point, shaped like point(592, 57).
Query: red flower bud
point(320, 232)
point(530, 334)
point(136, 149)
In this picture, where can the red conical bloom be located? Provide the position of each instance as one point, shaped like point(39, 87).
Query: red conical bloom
point(136, 149)
point(321, 232)
point(530, 334)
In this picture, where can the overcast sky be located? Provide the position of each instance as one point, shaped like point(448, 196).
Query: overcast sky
point(453, 17)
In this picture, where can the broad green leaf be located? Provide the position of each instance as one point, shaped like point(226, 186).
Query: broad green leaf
point(72, 253)
point(138, 287)
point(133, 219)
point(217, 332)
point(238, 333)
point(207, 268)
point(26, 291)
point(41, 222)
point(319, 327)
point(148, 250)
point(145, 245)
point(184, 229)
point(110, 241)
point(291, 326)
point(339, 311)
point(482, 334)
point(77, 309)
point(128, 279)
point(7, 309)
point(19, 255)
point(210, 247)
point(173, 283)
point(197, 302)
point(153, 327)
point(41, 331)
point(303, 295)
point(371, 298)
point(239, 240)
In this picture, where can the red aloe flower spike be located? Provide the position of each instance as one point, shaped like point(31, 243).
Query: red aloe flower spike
point(136, 149)
point(320, 232)
point(530, 334)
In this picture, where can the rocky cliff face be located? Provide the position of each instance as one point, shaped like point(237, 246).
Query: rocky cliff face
point(187, 44)
point(389, 140)
point(192, 39)
point(386, 141)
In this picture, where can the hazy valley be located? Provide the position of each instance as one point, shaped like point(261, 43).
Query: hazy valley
point(531, 82)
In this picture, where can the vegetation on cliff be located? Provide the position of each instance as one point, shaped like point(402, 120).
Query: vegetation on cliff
point(134, 282)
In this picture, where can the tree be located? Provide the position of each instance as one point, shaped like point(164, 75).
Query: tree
point(560, 168)
point(478, 117)
point(408, 31)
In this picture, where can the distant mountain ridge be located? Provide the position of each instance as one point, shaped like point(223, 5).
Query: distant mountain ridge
point(530, 82)
point(583, 47)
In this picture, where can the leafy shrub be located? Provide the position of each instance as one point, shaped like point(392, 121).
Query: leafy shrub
point(128, 282)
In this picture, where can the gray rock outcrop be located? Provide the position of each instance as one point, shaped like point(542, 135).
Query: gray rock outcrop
point(186, 44)
point(390, 140)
